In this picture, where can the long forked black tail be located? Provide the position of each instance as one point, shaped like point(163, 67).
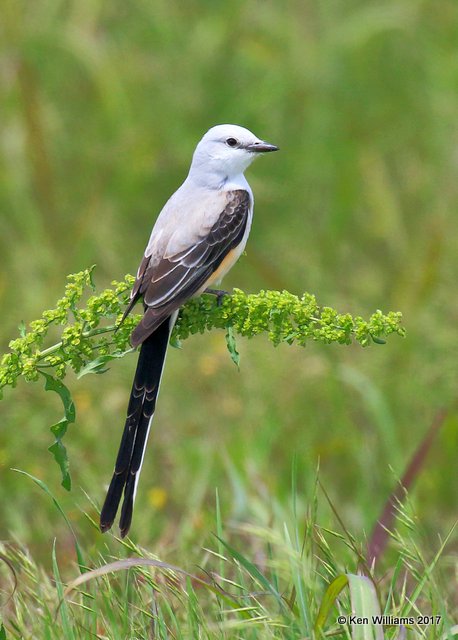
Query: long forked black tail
point(142, 403)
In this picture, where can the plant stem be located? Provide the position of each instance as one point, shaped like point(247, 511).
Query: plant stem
point(85, 334)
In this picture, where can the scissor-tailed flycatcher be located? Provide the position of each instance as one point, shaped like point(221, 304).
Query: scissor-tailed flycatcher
point(199, 234)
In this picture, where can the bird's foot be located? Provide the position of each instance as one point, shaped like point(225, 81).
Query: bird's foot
point(219, 293)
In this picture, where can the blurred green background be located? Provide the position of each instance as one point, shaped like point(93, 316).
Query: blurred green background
point(102, 105)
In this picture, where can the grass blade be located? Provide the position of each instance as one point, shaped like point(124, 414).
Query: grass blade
point(380, 533)
point(66, 627)
point(254, 572)
point(79, 554)
point(365, 605)
point(330, 596)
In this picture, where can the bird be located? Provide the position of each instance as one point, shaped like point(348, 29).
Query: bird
point(198, 236)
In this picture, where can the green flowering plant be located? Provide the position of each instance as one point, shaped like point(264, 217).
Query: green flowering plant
point(90, 334)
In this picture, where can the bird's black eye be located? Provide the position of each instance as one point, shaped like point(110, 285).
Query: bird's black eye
point(232, 142)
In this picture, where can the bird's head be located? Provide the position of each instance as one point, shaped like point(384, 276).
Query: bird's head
point(228, 149)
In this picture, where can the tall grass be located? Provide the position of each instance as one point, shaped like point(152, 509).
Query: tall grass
point(291, 578)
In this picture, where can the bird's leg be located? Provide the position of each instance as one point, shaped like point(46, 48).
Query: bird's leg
point(219, 293)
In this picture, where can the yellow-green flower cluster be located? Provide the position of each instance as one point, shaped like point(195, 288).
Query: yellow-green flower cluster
point(85, 338)
point(78, 340)
point(284, 317)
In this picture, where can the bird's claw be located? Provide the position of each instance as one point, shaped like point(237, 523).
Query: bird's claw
point(219, 293)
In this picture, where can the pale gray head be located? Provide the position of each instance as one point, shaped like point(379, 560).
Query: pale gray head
point(227, 150)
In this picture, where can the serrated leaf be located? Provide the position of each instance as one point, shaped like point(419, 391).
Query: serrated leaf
point(329, 599)
point(59, 452)
point(59, 429)
point(232, 346)
point(52, 384)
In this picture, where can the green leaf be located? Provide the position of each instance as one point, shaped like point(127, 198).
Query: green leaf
point(232, 346)
point(329, 599)
point(2, 632)
point(22, 332)
point(91, 276)
point(59, 452)
point(59, 429)
point(52, 384)
point(98, 364)
point(175, 342)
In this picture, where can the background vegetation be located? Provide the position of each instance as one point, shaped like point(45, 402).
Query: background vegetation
point(102, 105)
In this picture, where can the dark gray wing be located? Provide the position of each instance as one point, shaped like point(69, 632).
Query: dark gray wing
point(166, 285)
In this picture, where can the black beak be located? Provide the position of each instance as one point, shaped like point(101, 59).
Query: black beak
point(261, 147)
